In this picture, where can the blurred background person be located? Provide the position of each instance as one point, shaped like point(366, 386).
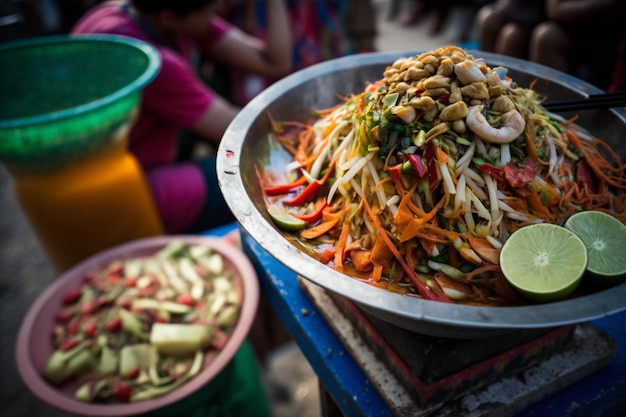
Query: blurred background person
point(505, 26)
point(436, 14)
point(359, 20)
point(72, 10)
point(435, 10)
point(28, 18)
point(618, 78)
point(320, 29)
point(581, 38)
point(179, 108)
point(178, 103)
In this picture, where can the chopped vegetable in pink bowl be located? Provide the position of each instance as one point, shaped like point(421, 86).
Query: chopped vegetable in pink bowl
point(47, 347)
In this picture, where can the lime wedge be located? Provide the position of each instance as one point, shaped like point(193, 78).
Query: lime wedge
point(605, 239)
point(285, 220)
point(543, 262)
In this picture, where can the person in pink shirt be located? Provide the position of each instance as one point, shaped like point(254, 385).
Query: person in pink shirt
point(178, 100)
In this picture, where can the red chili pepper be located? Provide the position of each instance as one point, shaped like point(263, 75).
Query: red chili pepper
point(124, 301)
point(114, 273)
point(395, 172)
point(495, 172)
point(147, 291)
point(64, 315)
point(586, 177)
point(122, 392)
point(305, 196)
point(417, 164)
point(134, 373)
point(89, 277)
point(102, 299)
point(284, 188)
point(130, 282)
point(112, 278)
point(89, 306)
point(219, 339)
point(72, 296)
point(362, 105)
point(90, 330)
point(309, 192)
point(69, 344)
point(114, 324)
point(431, 160)
point(73, 327)
point(314, 216)
point(117, 268)
point(186, 299)
point(444, 100)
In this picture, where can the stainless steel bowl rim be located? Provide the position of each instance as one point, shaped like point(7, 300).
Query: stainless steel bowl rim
point(406, 308)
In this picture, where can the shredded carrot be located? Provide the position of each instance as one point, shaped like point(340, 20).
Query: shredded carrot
point(504, 289)
point(331, 109)
point(411, 254)
point(327, 256)
point(529, 135)
point(453, 257)
point(484, 249)
point(329, 215)
point(380, 253)
point(377, 273)
point(434, 293)
point(305, 138)
point(534, 202)
point(340, 245)
point(318, 230)
point(309, 161)
point(603, 169)
point(428, 242)
point(412, 227)
point(481, 270)
point(329, 128)
point(361, 259)
point(382, 183)
point(388, 157)
point(275, 126)
point(442, 157)
point(287, 142)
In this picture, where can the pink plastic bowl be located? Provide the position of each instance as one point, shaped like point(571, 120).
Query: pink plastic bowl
point(34, 344)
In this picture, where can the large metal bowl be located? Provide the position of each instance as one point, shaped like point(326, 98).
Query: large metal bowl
point(245, 147)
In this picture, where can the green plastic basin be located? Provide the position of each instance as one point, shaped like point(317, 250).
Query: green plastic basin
point(63, 98)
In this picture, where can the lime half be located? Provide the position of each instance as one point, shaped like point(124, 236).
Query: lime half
point(605, 239)
point(543, 262)
point(285, 220)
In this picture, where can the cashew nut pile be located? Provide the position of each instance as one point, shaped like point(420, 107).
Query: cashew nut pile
point(450, 85)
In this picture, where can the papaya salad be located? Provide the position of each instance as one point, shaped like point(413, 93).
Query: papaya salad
point(414, 184)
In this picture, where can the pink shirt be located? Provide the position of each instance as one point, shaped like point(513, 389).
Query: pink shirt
point(171, 103)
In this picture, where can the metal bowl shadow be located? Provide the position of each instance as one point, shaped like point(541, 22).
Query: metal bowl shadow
point(245, 147)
